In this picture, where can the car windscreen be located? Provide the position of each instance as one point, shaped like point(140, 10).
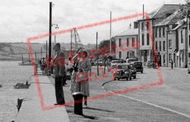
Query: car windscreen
point(138, 64)
point(122, 66)
point(119, 61)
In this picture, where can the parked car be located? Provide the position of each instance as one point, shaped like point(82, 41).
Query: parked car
point(122, 72)
point(138, 66)
point(117, 61)
point(131, 60)
point(133, 71)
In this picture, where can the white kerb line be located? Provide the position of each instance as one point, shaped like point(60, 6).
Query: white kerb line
point(157, 106)
point(151, 104)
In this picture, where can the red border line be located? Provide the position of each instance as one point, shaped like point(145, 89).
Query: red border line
point(101, 96)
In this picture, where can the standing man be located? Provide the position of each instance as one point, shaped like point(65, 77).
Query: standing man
point(60, 74)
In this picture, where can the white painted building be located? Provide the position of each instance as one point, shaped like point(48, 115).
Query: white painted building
point(146, 27)
point(127, 44)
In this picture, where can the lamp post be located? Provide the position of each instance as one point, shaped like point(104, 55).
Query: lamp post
point(50, 34)
point(110, 32)
point(56, 27)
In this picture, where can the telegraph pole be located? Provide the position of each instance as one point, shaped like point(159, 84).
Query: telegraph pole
point(71, 51)
point(143, 12)
point(50, 30)
point(110, 31)
point(46, 49)
point(41, 52)
point(97, 53)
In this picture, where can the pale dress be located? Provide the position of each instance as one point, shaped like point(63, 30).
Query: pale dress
point(84, 85)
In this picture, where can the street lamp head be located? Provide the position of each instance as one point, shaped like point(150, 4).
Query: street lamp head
point(56, 26)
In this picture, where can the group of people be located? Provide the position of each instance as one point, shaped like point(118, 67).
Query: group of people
point(79, 69)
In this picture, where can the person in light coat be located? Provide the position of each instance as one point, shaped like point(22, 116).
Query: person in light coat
point(80, 75)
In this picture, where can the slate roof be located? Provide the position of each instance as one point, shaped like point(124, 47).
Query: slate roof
point(165, 9)
point(173, 19)
point(128, 32)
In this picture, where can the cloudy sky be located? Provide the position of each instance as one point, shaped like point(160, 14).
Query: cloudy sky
point(21, 19)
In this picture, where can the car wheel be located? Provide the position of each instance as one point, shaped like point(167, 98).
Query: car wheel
point(134, 77)
point(127, 79)
point(118, 78)
point(141, 71)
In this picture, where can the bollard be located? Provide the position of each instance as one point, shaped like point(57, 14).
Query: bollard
point(78, 102)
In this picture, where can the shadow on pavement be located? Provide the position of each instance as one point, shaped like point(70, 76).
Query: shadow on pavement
point(98, 109)
point(89, 117)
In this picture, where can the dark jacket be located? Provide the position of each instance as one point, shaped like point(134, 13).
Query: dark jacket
point(59, 65)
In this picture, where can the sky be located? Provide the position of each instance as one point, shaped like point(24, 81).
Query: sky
point(21, 19)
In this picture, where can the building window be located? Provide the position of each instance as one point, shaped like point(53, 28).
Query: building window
point(164, 45)
point(189, 55)
point(170, 43)
point(142, 25)
point(160, 31)
point(127, 55)
point(155, 31)
point(163, 32)
point(148, 40)
point(156, 45)
point(160, 46)
point(170, 57)
point(120, 54)
point(189, 40)
point(133, 42)
point(142, 39)
point(119, 42)
point(164, 59)
point(181, 36)
point(127, 42)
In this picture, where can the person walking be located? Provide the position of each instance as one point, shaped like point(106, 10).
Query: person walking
point(59, 73)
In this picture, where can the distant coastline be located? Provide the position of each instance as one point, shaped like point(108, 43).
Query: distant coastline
point(9, 59)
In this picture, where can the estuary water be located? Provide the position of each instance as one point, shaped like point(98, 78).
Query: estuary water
point(10, 74)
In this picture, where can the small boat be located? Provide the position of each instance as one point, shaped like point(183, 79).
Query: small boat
point(22, 85)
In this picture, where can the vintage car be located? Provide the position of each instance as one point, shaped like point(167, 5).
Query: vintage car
point(138, 66)
point(122, 72)
point(188, 69)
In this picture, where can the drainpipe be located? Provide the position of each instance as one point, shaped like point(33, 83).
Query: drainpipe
point(186, 44)
point(167, 31)
point(139, 51)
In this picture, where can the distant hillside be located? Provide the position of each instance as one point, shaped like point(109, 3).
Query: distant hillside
point(15, 51)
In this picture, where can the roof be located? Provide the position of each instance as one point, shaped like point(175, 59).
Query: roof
point(173, 18)
point(129, 32)
point(163, 11)
point(180, 23)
